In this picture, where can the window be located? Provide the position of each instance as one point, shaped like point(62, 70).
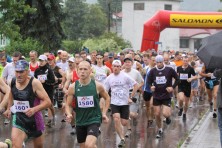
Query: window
point(138, 6)
point(167, 7)
point(197, 43)
point(184, 43)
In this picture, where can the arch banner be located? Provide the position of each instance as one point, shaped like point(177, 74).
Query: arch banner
point(177, 19)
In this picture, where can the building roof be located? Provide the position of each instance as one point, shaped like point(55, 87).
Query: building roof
point(193, 32)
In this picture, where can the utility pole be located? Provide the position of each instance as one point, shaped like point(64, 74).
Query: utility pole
point(109, 14)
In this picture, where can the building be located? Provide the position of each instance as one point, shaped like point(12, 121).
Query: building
point(136, 13)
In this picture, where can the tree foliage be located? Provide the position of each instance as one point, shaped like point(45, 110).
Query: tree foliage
point(44, 24)
point(107, 42)
point(83, 20)
point(72, 46)
point(25, 46)
point(12, 10)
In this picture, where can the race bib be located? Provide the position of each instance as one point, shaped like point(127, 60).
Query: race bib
point(85, 101)
point(100, 77)
point(161, 80)
point(42, 77)
point(21, 106)
point(118, 94)
point(183, 76)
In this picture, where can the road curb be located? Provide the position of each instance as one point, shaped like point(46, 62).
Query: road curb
point(194, 130)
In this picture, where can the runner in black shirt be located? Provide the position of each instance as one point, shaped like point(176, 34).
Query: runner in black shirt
point(160, 79)
point(184, 87)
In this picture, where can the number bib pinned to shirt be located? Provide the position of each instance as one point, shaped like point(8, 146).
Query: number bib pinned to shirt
point(42, 77)
point(161, 80)
point(85, 101)
point(21, 106)
point(183, 76)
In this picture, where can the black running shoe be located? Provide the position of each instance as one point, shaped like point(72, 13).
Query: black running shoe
point(122, 143)
point(159, 134)
point(214, 115)
point(184, 117)
point(180, 112)
point(168, 120)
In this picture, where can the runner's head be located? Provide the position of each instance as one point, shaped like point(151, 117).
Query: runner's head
point(116, 66)
point(99, 59)
point(42, 60)
point(128, 61)
point(159, 61)
point(185, 61)
point(21, 70)
point(71, 62)
point(84, 70)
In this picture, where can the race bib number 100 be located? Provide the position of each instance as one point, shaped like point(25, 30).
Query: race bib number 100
point(21, 106)
point(85, 101)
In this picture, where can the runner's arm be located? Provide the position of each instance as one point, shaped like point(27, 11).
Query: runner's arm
point(104, 95)
point(41, 94)
point(68, 102)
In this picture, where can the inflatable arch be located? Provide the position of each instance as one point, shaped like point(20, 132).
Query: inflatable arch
point(171, 19)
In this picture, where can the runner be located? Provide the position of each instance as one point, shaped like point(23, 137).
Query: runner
point(212, 85)
point(33, 64)
point(29, 99)
point(88, 113)
point(184, 87)
point(46, 76)
point(160, 81)
point(147, 93)
point(119, 83)
point(134, 106)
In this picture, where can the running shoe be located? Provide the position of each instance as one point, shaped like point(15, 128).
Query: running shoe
point(214, 114)
point(168, 120)
point(184, 117)
point(122, 143)
point(180, 112)
point(159, 133)
point(191, 105)
point(128, 132)
point(7, 121)
point(8, 142)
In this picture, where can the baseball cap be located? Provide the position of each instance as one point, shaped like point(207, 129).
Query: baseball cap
point(21, 65)
point(159, 58)
point(130, 59)
point(117, 63)
point(71, 59)
point(43, 57)
point(110, 55)
point(59, 51)
point(51, 57)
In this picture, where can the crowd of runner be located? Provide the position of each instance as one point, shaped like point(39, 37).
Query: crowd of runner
point(85, 86)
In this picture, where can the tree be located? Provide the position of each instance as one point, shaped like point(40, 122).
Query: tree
point(73, 24)
point(44, 25)
point(95, 22)
point(12, 10)
point(83, 21)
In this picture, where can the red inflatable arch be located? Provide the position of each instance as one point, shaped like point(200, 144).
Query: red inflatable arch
point(171, 19)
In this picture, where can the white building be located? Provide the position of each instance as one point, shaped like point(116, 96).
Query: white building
point(136, 13)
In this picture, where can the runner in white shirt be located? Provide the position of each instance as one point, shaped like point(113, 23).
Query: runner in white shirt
point(134, 106)
point(100, 72)
point(119, 83)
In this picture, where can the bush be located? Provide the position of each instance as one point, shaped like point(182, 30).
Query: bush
point(72, 46)
point(25, 46)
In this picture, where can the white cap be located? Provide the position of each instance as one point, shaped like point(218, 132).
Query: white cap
point(183, 55)
point(117, 63)
point(71, 59)
point(159, 58)
point(43, 57)
point(59, 51)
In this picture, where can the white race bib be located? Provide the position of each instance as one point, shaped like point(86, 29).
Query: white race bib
point(183, 76)
point(100, 77)
point(21, 106)
point(42, 77)
point(85, 101)
point(161, 80)
point(118, 94)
